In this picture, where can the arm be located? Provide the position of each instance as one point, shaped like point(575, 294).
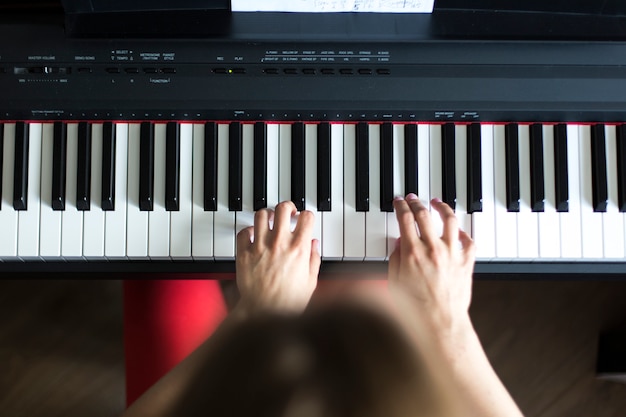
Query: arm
point(431, 279)
point(277, 270)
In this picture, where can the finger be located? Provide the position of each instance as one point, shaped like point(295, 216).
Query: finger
point(262, 224)
point(406, 222)
point(304, 226)
point(421, 215)
point(450, 222)
point(244, 239)
point(469, 248)
point(282, 216)
point(394, 261)
point(316, 259)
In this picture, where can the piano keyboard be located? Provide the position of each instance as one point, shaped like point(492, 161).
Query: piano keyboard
point(108, 191)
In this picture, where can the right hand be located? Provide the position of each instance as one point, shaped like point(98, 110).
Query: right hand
point(428, 273)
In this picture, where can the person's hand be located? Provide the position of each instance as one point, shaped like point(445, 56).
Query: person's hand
point(277, 269)
point(430, 274)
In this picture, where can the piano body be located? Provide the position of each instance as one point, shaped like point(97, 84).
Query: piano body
point(127, 150)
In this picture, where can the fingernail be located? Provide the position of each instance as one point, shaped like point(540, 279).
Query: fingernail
point(398, 198)
point(437, 200)
point(412, 196)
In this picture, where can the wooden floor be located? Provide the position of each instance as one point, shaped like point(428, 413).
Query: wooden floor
point(61, 350)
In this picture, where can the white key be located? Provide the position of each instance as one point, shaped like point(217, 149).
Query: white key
point(224, 220)
point(273, 162)
point(180, 221)
point(72, 218)
point(354, 222)
point(612, 220)
point(159, 218)
point(284, 170)
point(571, 238)
point(505, 222)
point(460, 155)
point(245, 217)
point(202, 228)
point(28, 220)
point(591, 222)
point(136, 220)
point(436, 177)
point(549, 221)
point(93, 221)
point(115, 220)
point(50, 220)
point(423, 162)
point(8, 216)
point(483, 222)
point(375, 219)
point(393, 229)
point(310, 185)
point(527, 221)
point(332, 223)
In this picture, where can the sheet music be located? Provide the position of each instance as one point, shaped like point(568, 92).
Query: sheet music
point(328, 6)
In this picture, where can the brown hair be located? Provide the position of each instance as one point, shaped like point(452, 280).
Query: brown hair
point(330, 362)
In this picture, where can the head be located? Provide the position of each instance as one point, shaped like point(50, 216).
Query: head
point(332, 361)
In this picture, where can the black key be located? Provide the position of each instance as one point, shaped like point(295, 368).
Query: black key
point(474, 170)
point(448, 165)
point(83, 174)
point(324, 202)
point(235, 148)
point(386, 168)
point(59, 159)
point(362, 167)
point(598, 169)
point(108, 167)
point(511, 150)
point(146, 167)
point(560, 168)
point(210, 166)
point(1, 157)
point(537, 190)
point(172, 167)
point(260, 166)
point(410, 159)
point(621, 167)
point(297, 165)
point(20, 178)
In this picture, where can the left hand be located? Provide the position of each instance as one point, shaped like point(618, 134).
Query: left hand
point(277, 269)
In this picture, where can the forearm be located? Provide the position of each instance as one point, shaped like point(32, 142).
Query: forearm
point(470, 385)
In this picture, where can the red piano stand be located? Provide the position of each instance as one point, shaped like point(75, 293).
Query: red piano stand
point(164, 321)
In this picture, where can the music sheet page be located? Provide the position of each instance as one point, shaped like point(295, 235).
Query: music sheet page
point(321, 6)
